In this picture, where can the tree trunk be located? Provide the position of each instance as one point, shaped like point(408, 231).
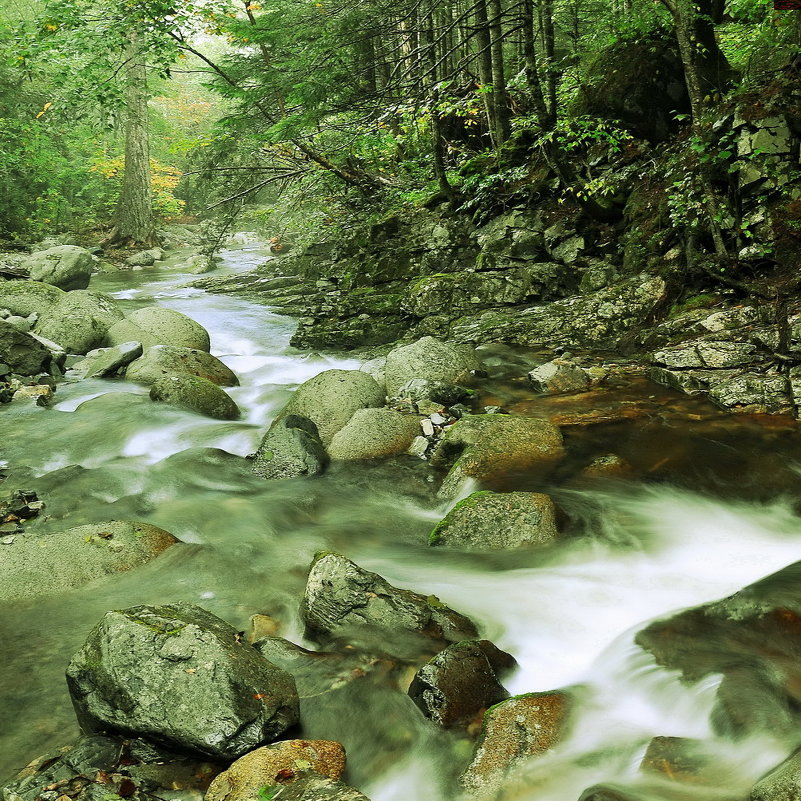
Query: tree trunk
point(484, 40)
point(500, 98)
point(532, 67)
point(549, 45)
point(133, 219)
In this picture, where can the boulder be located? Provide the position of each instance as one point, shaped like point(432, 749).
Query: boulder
point(290, 449)
point(759, 691)
point(491, 448)
point(331, 398)
point(276, 764)
point(311, 786)
point(559, 376)
point(161, 361)
point(497, 521)
point(157, 326)
point(180, 676)
point(195, 394)
point(707, 354)
point(105, 362)
point(145, 258)
point(28, 297)
point(460, 683)
point(431, 359)
point(66, 266)
point(781, 784)
point(23, 353)
point(374, 434)
point(48, 564)
point(80, 320)
point(343, 600)
point(755, 393)
point(520, 728)
point(420, 389)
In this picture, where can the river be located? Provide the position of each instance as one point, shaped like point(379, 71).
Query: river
point(642, 549)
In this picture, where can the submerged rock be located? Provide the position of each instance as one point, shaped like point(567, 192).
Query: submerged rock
point(781, 784)
point(28, 297)
point(559, 376)
point(196, 395)
point(374, 434)
point(331, 398)
point(311, 786)
point(276, 764)
point(495, 521)
point(182, 677)
point(66, 267)
point(515, 730)
point(343, 600)
point(48, 564)
point(80, 321)
point(290, 449)
point(23, 353)
point(492, 448)
point(157, 326)
point(429, 359)
point(759, 691)
point(161, 361)
point(460, 683)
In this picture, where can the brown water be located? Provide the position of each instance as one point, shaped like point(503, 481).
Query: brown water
point(708, 506)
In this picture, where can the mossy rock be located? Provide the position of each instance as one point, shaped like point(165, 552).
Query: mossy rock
point(195, 394)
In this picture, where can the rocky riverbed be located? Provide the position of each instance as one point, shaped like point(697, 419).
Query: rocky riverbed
point(448, 566)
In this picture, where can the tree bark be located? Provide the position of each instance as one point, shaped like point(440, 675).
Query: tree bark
point(549, 45)
point(133, 219)
point(531, 62)
point(500, 98)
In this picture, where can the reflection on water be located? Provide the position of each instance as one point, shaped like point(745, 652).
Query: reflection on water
point(568, 614)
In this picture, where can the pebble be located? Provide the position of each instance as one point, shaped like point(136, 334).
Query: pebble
point(418, 447)
point(427, 426)
point(437, 419)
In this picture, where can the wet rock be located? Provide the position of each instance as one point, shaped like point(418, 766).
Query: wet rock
point(39, 395)
point(290, 449)
point(602, 318)
point(559, 376)
point(196, 395)
point(707, 354)
point(460, 683)
point(755, 393)
point(23, 353)
point(157, 326)
point(20, 323)
point(331, 398)
point(260, 626)
point(760, 685)
point(374, 434)
point(492, 448)
point(429, 359)
point(515, 730)
point(343, 600)
point(493, 521)
point(609, 466)
point(781, 784)
point(419, 447)
point(145, 258)
point(105, 362)
point(276, 764)
point(180, 676)
point(161, 361)
point(678, 758)
point(79, 321)
point(439, 392)
point(67, 267)
point(48, 564)
point(310, 786)
point(608, 792)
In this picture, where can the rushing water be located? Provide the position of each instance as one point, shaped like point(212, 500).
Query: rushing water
point(638, 551)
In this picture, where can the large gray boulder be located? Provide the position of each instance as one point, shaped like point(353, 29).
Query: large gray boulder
point(182, 677)
point(79, 321)
point(331, 398)
point(28, 297)
point(195, 394)
point(290, 449)
point(497, 521)
point(342, 599)
point(23, 353)
point(455, 687)
point(105, 362)
point(48, 564)
point(431, 359)
point(161, 361)
point(374, 434)
point(157, 326)
point(66, 266)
